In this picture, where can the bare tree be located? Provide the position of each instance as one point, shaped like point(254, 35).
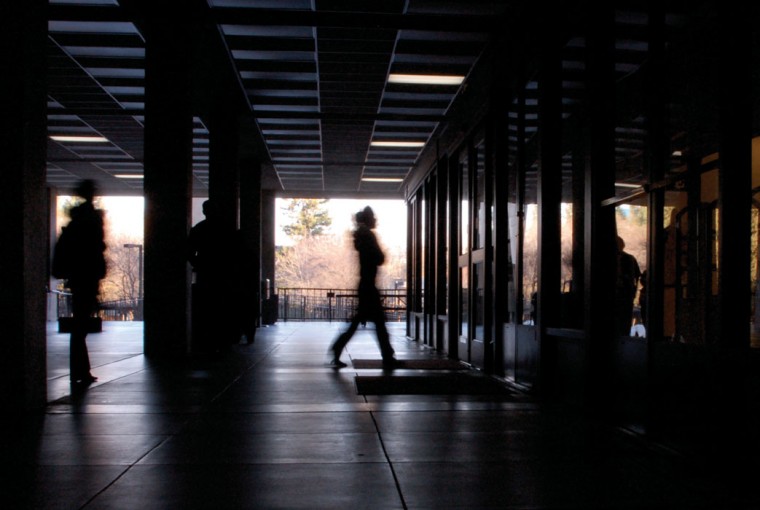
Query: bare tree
point(122, 279)
point(317, 262)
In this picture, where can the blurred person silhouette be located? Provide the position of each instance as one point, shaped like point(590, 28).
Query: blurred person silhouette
point(628, 275)
point(211, 254)
point(643, 297)
point(370, 308)
point(81, 260)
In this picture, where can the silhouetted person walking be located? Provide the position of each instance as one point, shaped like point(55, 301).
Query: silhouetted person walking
point(86, 266)
point(370, 308)
point(210, 252)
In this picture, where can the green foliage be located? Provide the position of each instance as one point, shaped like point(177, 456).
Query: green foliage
point(309, 217)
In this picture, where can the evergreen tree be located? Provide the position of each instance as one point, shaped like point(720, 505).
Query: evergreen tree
point(309, 217)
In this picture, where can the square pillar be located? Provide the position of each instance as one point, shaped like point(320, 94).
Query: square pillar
point(600, 230)
point(168, 173)
point(250, 233)
point(24, 229)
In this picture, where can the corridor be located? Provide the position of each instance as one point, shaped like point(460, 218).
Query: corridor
point(271, 426)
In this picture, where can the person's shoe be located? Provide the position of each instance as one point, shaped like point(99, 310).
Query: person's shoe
point(84, 381)
point(391, 363)
point(336, 363)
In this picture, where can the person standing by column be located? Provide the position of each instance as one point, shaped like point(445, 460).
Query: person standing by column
point(211, 254)
point(87, 268)
point(628, 275)
point(370, 308)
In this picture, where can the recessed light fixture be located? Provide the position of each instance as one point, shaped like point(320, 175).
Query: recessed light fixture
point(382, 179)
point(426, 79)
point(396, 143)
point(627, 185)
point(129, 176)
point(74, 138)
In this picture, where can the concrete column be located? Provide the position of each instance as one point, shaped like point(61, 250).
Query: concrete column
point(734, 76)
point(453, 178)
point(440, 244)
point(599, 229)
point(410, 269)
point(24, 229)
point(168, 172)
point(548, 197)
point(268, 250)
point(657, 162)
point(224, 181)
point(733, 415)
point(250, 230)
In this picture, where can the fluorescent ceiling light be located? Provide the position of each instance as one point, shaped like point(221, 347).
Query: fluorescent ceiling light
point(129, 176)
point(392, 143)
point(74, 138)
point(426, 79)
point(382, 179)
point(627, 185)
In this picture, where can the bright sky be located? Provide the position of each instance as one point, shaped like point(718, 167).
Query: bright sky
point(125, 217)
point(391, 219)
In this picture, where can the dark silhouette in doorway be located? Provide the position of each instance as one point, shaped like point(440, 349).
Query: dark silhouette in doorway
point(211, 253)
point(628, 275)
point(85, 267)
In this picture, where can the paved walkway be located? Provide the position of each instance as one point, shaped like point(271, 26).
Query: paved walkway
point(270, 426)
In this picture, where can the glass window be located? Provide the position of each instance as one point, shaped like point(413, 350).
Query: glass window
point(464, 304)
point(479, 280)
point(480, 196)
point(464, 191)
point(530, 263)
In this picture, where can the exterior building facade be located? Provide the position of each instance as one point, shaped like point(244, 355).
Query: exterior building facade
point(641, 127)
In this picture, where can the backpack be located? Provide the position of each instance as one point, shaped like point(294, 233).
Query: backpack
point(62, 256)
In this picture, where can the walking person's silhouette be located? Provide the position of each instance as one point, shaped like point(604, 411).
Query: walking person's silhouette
point(370, 308)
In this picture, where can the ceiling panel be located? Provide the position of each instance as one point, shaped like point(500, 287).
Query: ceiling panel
point(315, 76)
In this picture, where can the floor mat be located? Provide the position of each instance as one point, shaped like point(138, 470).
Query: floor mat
point(434, 384)
point(418, 364)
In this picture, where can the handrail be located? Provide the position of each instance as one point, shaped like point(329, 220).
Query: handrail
point(317, 304)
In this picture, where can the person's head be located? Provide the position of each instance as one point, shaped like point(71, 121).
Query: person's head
point(369, 217)
point(359, 218)
point(208, 208)
point(620, 244)
point(86, 190)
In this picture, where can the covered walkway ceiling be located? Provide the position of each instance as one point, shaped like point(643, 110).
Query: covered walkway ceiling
point(322, 83)
point(323, 79)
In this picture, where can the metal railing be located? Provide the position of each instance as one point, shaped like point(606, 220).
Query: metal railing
point(116, 310)
point(121, 310)
point(293, 304)
point(301, 304)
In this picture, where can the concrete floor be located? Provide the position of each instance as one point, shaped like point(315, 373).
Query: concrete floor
point(269, 425)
